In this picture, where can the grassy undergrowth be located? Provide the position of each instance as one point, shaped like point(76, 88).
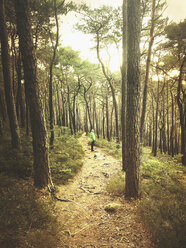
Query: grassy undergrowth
point(162, 206)
point(112, 148)
point(25, 220)
point(27, 216)
point(66, 157)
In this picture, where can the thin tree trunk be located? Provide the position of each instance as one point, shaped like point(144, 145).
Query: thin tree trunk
point(156, 121)
point(124, 85)
point(107, 119)
point(182, 112)
point(20, 100)
point(111, 83)
point(147, 69)
point(51, 77)
point(168, 137)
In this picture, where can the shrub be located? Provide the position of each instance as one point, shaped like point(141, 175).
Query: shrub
point(66, 158)
point(112, 148)
point(162, 207)
point(116, 184)
point(13, 162)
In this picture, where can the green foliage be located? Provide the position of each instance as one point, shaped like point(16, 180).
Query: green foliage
point(112, 148)
point(65, 157)
point(23, 217)
point(13, 162)
point(162, 207)
point(116, 184)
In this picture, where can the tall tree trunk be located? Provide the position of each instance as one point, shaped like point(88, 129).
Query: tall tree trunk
point(172, 127)
point(87, 105)
point(124, 85)
point(20, 99)
point(10, 101)
point(164, 126)
point(38, 126)
point(156, 121)
point(147, 70)
point(133, 100)
point(107, 118)
point(96, 119)
point(111, 84)
point(69, 110)
point(3, 109)
point(51, 77)
point(103, 119)
point(168, 136)
point(182, 111)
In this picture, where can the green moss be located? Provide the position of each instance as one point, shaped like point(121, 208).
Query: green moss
point(112, 207)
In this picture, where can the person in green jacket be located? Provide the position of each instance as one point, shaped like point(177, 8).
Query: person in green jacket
point(93, 138)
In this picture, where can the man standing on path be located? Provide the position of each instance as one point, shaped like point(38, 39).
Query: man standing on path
point(93, 138)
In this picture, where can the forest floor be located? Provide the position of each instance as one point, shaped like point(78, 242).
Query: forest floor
point(84, 223)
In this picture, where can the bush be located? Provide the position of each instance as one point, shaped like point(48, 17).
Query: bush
point(66, 158)
point(13, 162)
point(162, 207)
point(116, 184)
point(112, 148)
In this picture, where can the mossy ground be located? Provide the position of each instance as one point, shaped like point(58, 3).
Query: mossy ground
point(27, 216)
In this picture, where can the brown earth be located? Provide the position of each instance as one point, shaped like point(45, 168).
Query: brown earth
point(83, 221)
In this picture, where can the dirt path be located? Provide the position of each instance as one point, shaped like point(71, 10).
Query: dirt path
point(84, 222)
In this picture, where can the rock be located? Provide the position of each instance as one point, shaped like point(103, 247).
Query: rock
point(112, 207)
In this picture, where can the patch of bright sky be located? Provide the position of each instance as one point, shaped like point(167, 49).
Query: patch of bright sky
point(83, 42)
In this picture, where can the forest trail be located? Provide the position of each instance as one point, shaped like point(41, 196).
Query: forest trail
point(83, 221)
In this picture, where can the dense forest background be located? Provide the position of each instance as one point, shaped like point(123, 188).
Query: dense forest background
point(49, 96)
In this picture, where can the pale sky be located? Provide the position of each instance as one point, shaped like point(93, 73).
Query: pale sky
point(176, 11)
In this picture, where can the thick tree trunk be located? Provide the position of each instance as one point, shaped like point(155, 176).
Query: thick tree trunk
point(133, 100)
point(38, 127)
point(9, 96)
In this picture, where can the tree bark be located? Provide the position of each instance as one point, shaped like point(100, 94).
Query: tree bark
point(9, 95)
point(132, 185)
point(38, 126)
